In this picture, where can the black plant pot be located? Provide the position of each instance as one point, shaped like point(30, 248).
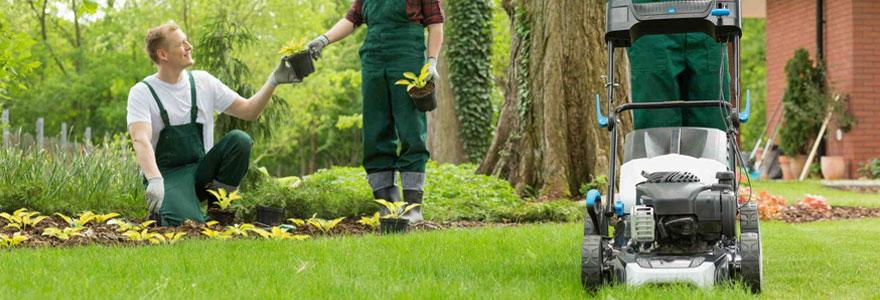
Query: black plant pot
point(425, 98)
point(388, 225)
point(302, 64)
point(224, 217)
point(269, 215)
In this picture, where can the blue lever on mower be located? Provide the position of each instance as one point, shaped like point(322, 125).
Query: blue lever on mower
point(744, 116)
point(603, 121)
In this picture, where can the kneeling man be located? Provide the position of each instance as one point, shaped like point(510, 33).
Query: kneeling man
point(171, 122)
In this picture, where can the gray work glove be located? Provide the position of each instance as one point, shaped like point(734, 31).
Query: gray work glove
point(317, 45)
point(432, 68)
point(155, 194)
point(283, 74)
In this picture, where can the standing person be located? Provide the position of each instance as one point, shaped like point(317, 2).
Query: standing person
point(171, 122)
point(395, 44)
point(684, 66)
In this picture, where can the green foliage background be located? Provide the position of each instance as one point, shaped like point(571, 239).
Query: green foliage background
point(753, 72)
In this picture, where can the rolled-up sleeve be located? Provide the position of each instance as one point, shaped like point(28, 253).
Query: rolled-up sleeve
point(432, 12)
point(355, 13)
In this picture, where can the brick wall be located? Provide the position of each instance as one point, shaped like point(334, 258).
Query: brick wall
point(852, 51)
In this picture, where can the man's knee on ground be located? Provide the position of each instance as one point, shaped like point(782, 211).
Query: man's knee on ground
point(239, 139)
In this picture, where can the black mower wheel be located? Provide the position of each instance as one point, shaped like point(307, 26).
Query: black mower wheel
point(748, 218)
point(752, 267)
point(591, 262)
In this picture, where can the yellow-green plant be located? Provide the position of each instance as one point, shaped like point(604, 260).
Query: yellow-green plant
point(370, 221)
point(278, 234)
point(144, 235)
point(396, 209)
point(299, 222)
point(22, 218)
point(223, 199)
point(417, 81)
point(9, 242)
point(81, 220)
point(122, 225)
point(240, 229)
point(217, 235)
point(173, 237)
point(324, 225)
point(63, 234)
point(294, 47)
point(101, 219)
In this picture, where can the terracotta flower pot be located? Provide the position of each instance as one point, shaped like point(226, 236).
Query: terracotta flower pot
point(833, 167)
point(785, 165)
point(797, 165)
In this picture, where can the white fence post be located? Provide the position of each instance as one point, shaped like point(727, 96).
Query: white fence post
point(63, 135)
point(6, 128)
point(88, 137)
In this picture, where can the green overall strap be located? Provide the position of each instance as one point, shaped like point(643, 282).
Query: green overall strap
point(162, 111)
point(194, 109)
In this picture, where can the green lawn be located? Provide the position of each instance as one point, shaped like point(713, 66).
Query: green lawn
point(795, 190)
point(817, 260)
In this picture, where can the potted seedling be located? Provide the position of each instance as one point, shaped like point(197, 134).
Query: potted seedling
point(422, 92)
point(223, 213)
point(299, 57)
point(392, 222)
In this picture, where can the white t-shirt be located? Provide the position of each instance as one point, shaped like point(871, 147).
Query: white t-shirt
point(211, 94)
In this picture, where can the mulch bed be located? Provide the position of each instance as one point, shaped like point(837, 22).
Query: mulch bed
point(864, 190)
point(104, 234)
point(795, 214)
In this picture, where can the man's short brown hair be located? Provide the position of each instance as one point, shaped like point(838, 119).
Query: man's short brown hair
point(156, 39)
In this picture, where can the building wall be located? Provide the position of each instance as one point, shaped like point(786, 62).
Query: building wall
point(852, 52)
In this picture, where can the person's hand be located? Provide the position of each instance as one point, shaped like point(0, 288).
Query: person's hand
point(283, 74)
point(155, 194)
point(317, 45)
point(432, 69)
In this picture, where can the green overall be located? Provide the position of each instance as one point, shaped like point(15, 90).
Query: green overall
point(187, 170)
point(393, 45)
point(677, 67)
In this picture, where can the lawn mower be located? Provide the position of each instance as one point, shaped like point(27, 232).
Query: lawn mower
point(676, 214)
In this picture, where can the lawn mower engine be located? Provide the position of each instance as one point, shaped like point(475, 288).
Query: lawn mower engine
point(680, 230)
point(686, 216)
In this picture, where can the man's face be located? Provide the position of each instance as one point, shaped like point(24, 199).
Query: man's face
point(178, 50)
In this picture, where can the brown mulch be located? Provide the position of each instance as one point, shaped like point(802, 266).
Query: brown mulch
point(800, 215)
point(863, 190)
point(104, 234)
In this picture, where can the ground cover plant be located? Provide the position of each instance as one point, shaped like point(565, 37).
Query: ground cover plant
point(834, 260)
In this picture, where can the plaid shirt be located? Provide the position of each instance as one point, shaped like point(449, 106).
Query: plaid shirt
point(425, 12)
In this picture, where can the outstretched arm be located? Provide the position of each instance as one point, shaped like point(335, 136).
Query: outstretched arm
point(141, 133)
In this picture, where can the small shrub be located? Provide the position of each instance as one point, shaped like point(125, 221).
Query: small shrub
point(871, 169)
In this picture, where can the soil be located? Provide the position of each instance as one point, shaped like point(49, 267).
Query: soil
point(422, 92)
point(225, 217)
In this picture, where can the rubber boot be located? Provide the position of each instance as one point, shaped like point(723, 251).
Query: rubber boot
point(413, 190)
point(413, 196)
point(384, 185)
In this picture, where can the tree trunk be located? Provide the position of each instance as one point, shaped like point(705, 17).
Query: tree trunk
point(443, 138)
point(550, 141)
point(313, 153)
